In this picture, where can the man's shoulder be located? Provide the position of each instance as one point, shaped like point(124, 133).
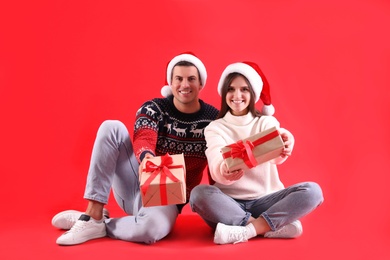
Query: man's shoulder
point(155, 102)
point(153, 107)
point(209, 106)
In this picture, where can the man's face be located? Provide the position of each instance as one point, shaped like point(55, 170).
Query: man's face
point(186, 84)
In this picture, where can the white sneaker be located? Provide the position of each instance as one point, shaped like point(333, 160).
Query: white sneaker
point(83, 230)
point(66, 219)
point(292, 230)
point(225, 234)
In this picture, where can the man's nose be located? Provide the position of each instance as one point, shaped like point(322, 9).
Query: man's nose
point(185, 83)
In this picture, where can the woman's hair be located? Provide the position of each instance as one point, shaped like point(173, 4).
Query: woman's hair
point(225, 87)
point(185, 63)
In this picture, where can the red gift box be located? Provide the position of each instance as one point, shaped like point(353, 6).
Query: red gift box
point(162, 180)
point(254, 150)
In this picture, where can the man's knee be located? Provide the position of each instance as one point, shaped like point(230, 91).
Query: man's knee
point(111, 124)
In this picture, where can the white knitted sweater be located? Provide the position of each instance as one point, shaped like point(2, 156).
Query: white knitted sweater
point(256, 182)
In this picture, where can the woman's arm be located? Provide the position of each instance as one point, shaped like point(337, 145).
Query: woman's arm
point(218, 169)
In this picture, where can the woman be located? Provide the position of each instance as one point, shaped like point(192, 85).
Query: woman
point(243, 204)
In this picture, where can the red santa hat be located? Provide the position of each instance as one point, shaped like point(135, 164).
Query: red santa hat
point(187, 56)
point(256, 78)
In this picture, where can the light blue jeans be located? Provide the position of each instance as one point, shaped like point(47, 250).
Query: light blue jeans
point(113, 165)
point(278, 209)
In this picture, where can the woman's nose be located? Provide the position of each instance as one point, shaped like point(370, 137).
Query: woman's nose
point(237, 93)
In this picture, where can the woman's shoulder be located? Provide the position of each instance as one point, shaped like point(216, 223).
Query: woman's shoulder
point(216, 125)
point(265, 122)
point(267, 119)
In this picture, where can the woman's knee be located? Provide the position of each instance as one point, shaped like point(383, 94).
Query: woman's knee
point(200, 196)
point(315, 192)
point(201, 192)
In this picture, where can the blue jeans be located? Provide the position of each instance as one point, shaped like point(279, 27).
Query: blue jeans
point(114, 166)
point(278, 209)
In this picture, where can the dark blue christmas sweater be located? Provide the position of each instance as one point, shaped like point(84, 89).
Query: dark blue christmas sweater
point(160, 128)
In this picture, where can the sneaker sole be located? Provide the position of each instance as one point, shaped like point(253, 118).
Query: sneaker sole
point(71, 243)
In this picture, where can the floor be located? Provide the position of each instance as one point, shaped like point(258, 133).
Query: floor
point(192, 239)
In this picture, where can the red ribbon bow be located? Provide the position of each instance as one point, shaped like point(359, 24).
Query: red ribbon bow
point(244, 150)
point(163, 168)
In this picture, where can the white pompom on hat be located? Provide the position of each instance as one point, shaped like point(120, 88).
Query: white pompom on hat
point(257, 79)
point(187, 56)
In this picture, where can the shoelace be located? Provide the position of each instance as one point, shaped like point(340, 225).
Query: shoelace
point(237, 235)
point(280, 231)
point(78, 226)
point(71, 218)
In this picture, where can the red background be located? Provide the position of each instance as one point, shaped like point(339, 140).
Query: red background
point(65, 66)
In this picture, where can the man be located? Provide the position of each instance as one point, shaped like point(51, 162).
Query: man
point(173, 125)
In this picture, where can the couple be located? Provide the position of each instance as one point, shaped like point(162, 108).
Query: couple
point(240, 205)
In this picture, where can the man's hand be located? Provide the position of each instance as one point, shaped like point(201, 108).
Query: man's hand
point(147, 156)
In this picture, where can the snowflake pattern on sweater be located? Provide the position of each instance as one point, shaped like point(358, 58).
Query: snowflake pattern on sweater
point(160, 128)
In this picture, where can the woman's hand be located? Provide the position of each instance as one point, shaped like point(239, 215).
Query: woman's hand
point(288, 144)
point(231, 175)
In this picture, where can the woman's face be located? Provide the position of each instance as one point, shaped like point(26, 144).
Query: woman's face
point(238, 96)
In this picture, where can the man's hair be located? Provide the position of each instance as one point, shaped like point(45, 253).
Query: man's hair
point(185, 63)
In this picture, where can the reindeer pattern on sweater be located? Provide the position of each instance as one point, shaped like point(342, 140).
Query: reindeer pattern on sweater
point(160, 128)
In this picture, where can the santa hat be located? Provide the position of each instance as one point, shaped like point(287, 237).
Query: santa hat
point(256, 78)
point(187, 56)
